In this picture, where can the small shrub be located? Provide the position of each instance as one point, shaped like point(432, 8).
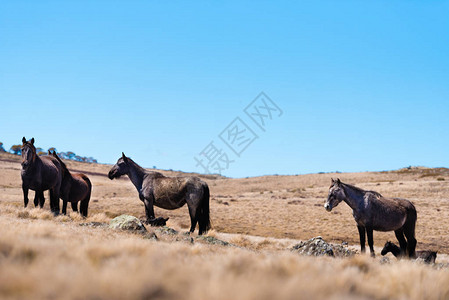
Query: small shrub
point(25, 215)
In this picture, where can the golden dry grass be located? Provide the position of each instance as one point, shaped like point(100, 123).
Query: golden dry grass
point(44, 257)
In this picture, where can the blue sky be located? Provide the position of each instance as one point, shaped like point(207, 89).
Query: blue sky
point(362, 85)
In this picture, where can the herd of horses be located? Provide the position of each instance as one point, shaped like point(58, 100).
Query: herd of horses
point(49, 172)
point(371, 211)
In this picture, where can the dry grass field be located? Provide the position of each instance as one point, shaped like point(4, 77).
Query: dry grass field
point(43, 257)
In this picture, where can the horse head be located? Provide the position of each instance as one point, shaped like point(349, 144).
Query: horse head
point(335, 196)
point(120, 168)
point(387, 248)
point(28, 153)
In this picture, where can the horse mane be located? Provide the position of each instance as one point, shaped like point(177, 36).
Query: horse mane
point(143, 170)
point(64, 167)
point(377, 194)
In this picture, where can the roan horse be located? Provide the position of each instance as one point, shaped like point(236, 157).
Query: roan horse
point(75, 187)
point(40, 173)
point(167, 192)
point(372, 211)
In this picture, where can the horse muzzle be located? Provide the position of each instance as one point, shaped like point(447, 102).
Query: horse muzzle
point(113, 174)
point(327, 206)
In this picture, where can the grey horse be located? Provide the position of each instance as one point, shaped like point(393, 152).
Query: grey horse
point(372, 211)
point(40, 173)
point(167, 192)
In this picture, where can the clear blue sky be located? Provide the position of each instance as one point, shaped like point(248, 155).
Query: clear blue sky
point(363, 85)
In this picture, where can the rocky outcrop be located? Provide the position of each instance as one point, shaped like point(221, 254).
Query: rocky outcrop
point(126, 222)
point(318, 247)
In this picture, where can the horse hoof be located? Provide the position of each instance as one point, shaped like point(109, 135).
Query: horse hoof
point(157, 221)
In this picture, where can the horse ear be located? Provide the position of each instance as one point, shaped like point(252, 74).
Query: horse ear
point(32, 141)
point(338, 181)
point(24, 140)
point(124, 157)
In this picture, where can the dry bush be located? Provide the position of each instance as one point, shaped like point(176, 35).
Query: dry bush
point(43, 257)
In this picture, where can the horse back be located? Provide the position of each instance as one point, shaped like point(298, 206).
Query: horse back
point(173, 192)
point(389, 213)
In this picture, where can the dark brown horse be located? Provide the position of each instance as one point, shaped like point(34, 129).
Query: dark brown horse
point(427, 256)
point(372, 211)
point(75, 187)
point(40, 173)
point(167, 192)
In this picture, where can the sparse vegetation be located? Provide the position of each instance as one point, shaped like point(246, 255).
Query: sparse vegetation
point(256, 263)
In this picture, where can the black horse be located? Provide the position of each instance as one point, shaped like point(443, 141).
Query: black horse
point(427, 256)
point(167, 192)
point(40, 173)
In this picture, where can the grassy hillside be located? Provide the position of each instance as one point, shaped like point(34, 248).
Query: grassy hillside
point(263, 217)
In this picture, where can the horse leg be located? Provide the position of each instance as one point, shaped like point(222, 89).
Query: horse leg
point(193, 217)
point(84, 204)
point(362, 238)
point(149, 210)
point(369, 233)
point(36, 198)
point(25, 195)
point(64, 207)
point(41, 200)
point(74, 206)
point(54, 202)
point(401, 239)
point(409, 232)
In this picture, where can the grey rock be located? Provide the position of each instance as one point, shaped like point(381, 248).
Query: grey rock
point(212, 240)
point(94, 224)
point(384, 260)
point(318, 247)
point(166, 230)
point(126, 222)
point(149, 236)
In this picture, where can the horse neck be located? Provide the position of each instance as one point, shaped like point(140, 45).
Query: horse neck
point(67, 175)
point(354, 197)
point(136, 174)
point(395, 250)
point(35, 162)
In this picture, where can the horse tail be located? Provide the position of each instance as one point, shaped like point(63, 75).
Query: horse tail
point(409, 229)
point(84, 205)
point(204, 214)
point(412, 216)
